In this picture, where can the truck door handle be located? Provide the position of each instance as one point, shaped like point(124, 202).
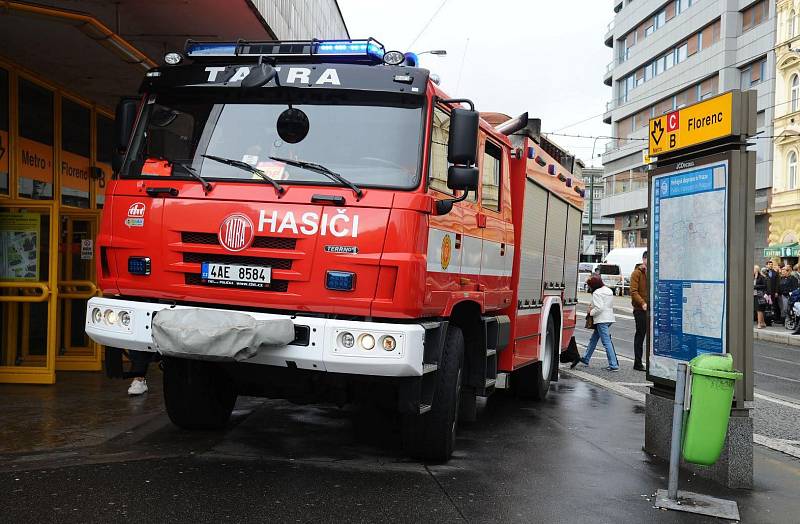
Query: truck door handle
point(162, 191)
point(481, 218)
point(458, 240)
point(502, 249)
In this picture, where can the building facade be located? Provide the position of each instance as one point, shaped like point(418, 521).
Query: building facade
point(601, 227)
point(61, 73)
point(668, 54)
point(784, 211)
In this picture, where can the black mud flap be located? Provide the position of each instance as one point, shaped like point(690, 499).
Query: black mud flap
point(571, 354)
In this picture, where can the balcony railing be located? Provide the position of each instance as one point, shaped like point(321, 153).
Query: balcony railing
point(610, 26)
point(610, 66)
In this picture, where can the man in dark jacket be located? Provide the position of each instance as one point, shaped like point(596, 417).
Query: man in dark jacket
point(640, 298)
point(772, 287)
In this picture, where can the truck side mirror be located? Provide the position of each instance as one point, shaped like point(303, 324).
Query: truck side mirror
point(462, 178)
point(463, 139)
point(124, 119)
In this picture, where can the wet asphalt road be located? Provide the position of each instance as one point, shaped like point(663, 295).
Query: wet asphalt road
point(574, 458)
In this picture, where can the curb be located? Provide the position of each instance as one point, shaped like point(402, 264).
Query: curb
point(786, 338)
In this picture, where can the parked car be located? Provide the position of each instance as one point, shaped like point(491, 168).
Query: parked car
point(610, 273)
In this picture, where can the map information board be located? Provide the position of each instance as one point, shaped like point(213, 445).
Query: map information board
point(689, 274)
point(19, 246)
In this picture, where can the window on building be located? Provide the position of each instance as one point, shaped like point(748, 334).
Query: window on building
point(693, 44)
point(104, 131)
point(709, 87)
point(439, 140)
point(710, 35)
point(659, 66)
point(661, 19)
point(649, 27)
point(792, 25)
point(791, 170)
point(648, 71)
point(75, 153)
point(794, 92)
point(640, 76)
point(686, 97)
point(669, 60)
point(490, 177)
point(36, 141)
point(682, 53)
point(671, 10)
point(754, 15)
point(4, 129)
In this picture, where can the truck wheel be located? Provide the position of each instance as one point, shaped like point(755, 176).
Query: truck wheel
point(197, 394)
point(432, 435)
point(533, 381)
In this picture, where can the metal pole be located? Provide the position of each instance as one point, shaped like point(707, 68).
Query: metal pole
point(677, 432)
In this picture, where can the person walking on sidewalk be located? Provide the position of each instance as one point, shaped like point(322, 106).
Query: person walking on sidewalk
point(602, 312)
point(640, 298)
point(759, 302)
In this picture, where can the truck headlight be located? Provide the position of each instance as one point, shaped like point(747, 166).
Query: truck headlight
point(97, 315)
point(125, 318)
point(366, 341)
point(389, 343)
point(110, 316)
point(347, 339)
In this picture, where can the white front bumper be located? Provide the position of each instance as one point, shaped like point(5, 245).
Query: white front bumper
point(324, 351)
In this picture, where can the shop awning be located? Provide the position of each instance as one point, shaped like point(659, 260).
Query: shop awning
point(786, 249)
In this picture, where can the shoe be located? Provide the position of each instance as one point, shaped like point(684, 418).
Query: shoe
point(138, 387)
point(609, 368)
point(638, 367)
point(575, 363)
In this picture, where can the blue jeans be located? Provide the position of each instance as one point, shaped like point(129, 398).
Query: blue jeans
point(601, 332)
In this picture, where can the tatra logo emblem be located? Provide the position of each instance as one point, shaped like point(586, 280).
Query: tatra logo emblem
point(236, 232)
point(447, 251)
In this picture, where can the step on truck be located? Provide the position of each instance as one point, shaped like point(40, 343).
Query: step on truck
point(317, 221)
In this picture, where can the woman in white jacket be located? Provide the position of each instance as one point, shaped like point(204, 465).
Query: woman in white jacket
point(602, 311)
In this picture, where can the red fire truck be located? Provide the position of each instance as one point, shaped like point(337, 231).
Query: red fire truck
point(318, 221)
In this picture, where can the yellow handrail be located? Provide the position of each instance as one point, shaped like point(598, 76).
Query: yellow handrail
point(25, 285)
point(70, 290)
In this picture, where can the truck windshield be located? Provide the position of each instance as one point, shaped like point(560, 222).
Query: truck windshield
point(370, 144)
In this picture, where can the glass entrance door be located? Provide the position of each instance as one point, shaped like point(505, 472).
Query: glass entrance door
point(76, 275)
point(27, 307)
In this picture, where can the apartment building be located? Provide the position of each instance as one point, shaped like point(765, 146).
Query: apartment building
point(668, 54)
point(784, 210)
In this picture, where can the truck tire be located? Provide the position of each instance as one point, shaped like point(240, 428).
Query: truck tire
point(533, 382)
point(197, 394)
point(432, 435)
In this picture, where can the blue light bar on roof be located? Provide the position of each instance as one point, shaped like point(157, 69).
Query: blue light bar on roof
point(367, 49)
point(211, 49)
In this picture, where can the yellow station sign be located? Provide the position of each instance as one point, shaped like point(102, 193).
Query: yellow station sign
point(692, 125)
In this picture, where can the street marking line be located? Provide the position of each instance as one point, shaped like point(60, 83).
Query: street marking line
point(598, 350)
point(776, 376)
point(768, 442)
point(647, 384)
point(781, 360)
point(777, 399)
point(776, 444)
point(620, 315)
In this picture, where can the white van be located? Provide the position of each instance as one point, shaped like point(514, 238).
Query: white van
point(627, 258)
point(610, 273)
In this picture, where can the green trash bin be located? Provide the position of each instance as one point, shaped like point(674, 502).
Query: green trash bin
point(706, 425)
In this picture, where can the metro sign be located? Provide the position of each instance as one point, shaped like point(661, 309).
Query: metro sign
point(703, 122)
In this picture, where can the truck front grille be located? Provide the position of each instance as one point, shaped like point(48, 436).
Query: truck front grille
point(275, 263)
point(210, 239)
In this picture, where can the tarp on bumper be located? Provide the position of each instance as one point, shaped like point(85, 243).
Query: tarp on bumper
point(217, 335)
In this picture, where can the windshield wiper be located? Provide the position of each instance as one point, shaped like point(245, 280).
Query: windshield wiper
point(244, 166)
point(207, 187)
point(318, 168)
